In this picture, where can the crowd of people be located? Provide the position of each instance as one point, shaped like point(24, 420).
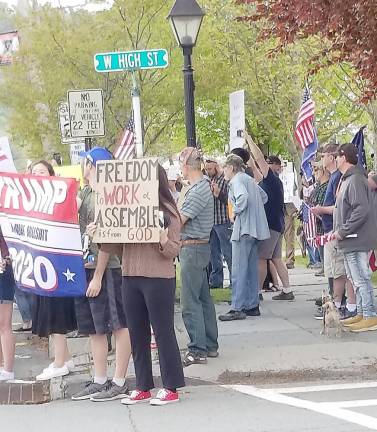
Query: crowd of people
point(212, 213)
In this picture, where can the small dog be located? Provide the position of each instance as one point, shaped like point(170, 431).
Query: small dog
point(331, 317)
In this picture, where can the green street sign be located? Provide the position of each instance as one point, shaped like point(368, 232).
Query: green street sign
point(131, 60)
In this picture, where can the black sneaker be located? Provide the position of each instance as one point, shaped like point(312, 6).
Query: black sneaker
point(233, 315)
point(212, 354)
point(191, 358)
point(252, 312)
point(111, 392)
point(318, 301)
point(319, 314)
point(91, 389)
point(347, 314)
point(284, 296)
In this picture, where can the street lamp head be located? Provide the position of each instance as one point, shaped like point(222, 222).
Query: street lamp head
point(186, 18)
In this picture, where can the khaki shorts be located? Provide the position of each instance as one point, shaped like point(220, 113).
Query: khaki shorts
point(333, 261)
point(272, 247)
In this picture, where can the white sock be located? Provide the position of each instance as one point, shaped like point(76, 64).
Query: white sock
point(351, 307)
point(338, 304)
point(286, 290)
point(119, 381)
point(100, 380)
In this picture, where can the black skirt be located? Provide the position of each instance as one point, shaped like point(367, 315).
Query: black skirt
point(7, 285)
point(54, 315)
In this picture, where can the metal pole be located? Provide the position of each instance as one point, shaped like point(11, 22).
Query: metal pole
point(189, 87)
point(135, 93)
point(88, 143)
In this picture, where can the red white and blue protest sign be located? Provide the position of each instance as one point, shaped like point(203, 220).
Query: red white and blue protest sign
point(39, 220)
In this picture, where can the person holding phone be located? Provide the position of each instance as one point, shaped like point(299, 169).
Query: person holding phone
point(148, 295)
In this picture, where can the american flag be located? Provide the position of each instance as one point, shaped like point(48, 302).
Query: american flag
point(309, 225)
point(304, 131)
point(126, 146)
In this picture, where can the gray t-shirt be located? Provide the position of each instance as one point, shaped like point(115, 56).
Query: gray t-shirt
point(86, 216)
point(198, 208)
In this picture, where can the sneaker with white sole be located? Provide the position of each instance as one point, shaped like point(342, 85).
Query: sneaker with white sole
point(91, 389)
point(53, 372)
point(6, 376)
point(70, 365)
point(164, 397)
point(137, 396)
point(111, 392)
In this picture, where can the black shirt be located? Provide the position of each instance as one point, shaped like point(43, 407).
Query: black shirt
point(274, 207)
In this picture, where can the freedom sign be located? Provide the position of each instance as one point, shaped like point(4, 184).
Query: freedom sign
point(126, 203)
point(38, 217)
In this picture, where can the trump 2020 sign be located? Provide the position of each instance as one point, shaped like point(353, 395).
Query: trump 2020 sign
point(39, 220)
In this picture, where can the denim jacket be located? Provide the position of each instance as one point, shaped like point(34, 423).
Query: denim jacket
point(248, 201)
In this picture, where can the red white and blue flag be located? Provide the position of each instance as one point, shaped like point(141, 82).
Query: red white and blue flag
point(309, 225)
point(39, 221)
point(126, 145)
point(305, 133)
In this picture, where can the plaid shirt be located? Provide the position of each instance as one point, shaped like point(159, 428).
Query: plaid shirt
point(317, 197)
point(221, 203)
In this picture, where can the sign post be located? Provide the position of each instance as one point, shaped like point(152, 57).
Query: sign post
point(132, 61)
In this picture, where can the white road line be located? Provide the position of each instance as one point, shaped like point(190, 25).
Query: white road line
point(352, 404)
point(322, 408)
point(321, 388)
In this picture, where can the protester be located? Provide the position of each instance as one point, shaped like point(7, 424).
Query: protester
point(100, 312)
point(7, 341)
point(355, 232)
point(267, 174)
point(316, 198)
point(148, 296)
point(250, 225)
point(221, 231)
point(334, 267)
point(197, 216)
point(54, 316)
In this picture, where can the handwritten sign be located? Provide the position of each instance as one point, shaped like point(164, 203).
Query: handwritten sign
point(38, 217)
point(126, 203)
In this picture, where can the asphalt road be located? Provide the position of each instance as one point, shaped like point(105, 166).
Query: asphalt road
point(212, 408)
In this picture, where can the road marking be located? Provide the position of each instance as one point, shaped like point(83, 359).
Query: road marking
point(272, 395)
point(321, 388)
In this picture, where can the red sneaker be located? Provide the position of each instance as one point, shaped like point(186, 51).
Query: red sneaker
point(137, 396)
point(165, 397)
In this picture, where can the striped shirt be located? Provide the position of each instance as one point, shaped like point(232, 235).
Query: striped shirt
point(198, 207)
point(221, 202)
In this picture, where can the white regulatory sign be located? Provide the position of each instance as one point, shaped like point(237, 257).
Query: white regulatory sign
point(86, 113)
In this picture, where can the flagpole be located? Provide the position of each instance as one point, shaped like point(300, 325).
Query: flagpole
point(135, 93)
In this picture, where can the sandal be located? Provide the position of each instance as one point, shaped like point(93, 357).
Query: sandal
point(193, 358)
point(272, 288)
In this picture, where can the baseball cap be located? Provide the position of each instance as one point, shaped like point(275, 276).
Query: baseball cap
point(272, 159)
point(350, 152)
point(242, 153)
point(96, 154)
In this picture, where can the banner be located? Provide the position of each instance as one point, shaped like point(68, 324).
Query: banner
point(6, 158)
point(126, 205)
point(38, 217)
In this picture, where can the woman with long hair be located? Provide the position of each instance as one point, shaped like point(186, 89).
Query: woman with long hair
point(148, 296)
point(54, 316)
point(7, 285)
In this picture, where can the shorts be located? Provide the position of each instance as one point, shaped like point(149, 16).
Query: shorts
point(271, 248)
point(333, 261)
point(102, 314)
point(7, 285)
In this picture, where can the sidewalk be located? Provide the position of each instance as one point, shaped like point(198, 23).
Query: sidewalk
point(284, 344)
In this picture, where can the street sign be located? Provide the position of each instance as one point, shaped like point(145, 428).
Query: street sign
point(86, 115)
point(131, 60)
point(64, 124)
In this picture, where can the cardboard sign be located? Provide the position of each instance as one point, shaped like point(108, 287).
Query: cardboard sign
point(126, 204)
point(70, 171)
point(38, 217)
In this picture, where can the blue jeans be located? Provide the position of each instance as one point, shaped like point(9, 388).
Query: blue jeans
point(357, 268)
point(220, 246)
point(198, 311)
point(25, 302)
point(245, 273)
point(313, 253)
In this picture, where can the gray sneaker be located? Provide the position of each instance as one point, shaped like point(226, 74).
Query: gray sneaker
point(91, 389)
point(111, 392)
point(284, 296)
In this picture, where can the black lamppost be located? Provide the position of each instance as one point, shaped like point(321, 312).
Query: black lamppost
point(186, 18)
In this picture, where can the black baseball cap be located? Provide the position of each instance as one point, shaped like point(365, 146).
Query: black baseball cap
point(242, 153)
point(273, 160)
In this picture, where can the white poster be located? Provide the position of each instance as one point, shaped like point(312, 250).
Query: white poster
point(288, 179)
point(9, 44)
point(75, 150)
point(237, 119)
point(6, 158)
